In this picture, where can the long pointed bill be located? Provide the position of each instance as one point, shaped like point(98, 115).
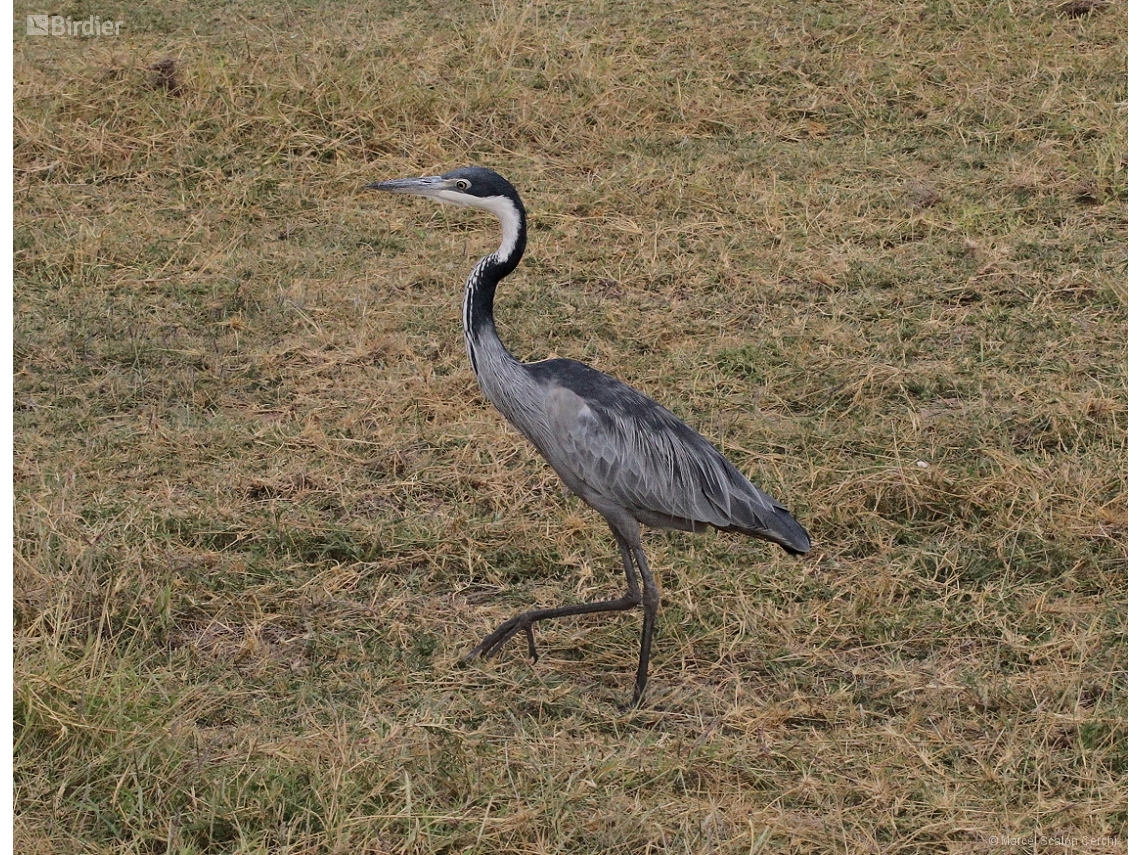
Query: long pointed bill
point(429, 186)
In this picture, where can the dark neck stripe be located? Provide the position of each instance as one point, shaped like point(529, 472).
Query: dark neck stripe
point(479, 294)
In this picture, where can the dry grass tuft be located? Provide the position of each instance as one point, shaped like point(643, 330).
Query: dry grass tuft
point(166, 76)
point(1080, 8)
point(876, 252)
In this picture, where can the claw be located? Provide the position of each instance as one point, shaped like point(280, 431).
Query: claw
point(494, 642)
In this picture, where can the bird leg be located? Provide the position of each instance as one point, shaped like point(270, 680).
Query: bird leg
point(651, 599)
point(494, 642)
point(524, 622)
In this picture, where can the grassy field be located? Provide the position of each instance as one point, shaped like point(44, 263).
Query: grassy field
point(875, 251)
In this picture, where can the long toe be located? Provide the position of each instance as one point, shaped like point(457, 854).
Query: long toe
point(494, 642)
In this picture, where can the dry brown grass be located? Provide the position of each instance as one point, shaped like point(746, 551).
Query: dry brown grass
point(875, 252)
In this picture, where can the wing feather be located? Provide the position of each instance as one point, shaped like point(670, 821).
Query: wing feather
point(613, 445)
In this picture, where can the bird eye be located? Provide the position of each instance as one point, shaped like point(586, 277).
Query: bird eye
point(462, 184)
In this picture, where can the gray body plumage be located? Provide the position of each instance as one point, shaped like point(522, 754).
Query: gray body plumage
point(625, 455)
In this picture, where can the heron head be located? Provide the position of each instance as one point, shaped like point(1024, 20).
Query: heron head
point(471, 186)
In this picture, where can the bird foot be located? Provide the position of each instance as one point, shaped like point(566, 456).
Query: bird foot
point(494, 642)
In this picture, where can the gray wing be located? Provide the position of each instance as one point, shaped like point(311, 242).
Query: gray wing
point(615, 446)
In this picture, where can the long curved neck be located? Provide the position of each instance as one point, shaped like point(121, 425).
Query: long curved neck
point(487, 352)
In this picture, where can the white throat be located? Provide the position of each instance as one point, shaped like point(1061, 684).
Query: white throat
point(500, 206)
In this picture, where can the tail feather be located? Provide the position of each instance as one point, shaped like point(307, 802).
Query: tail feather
point(753, 512)
point(778, 526)
point(793, 536)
